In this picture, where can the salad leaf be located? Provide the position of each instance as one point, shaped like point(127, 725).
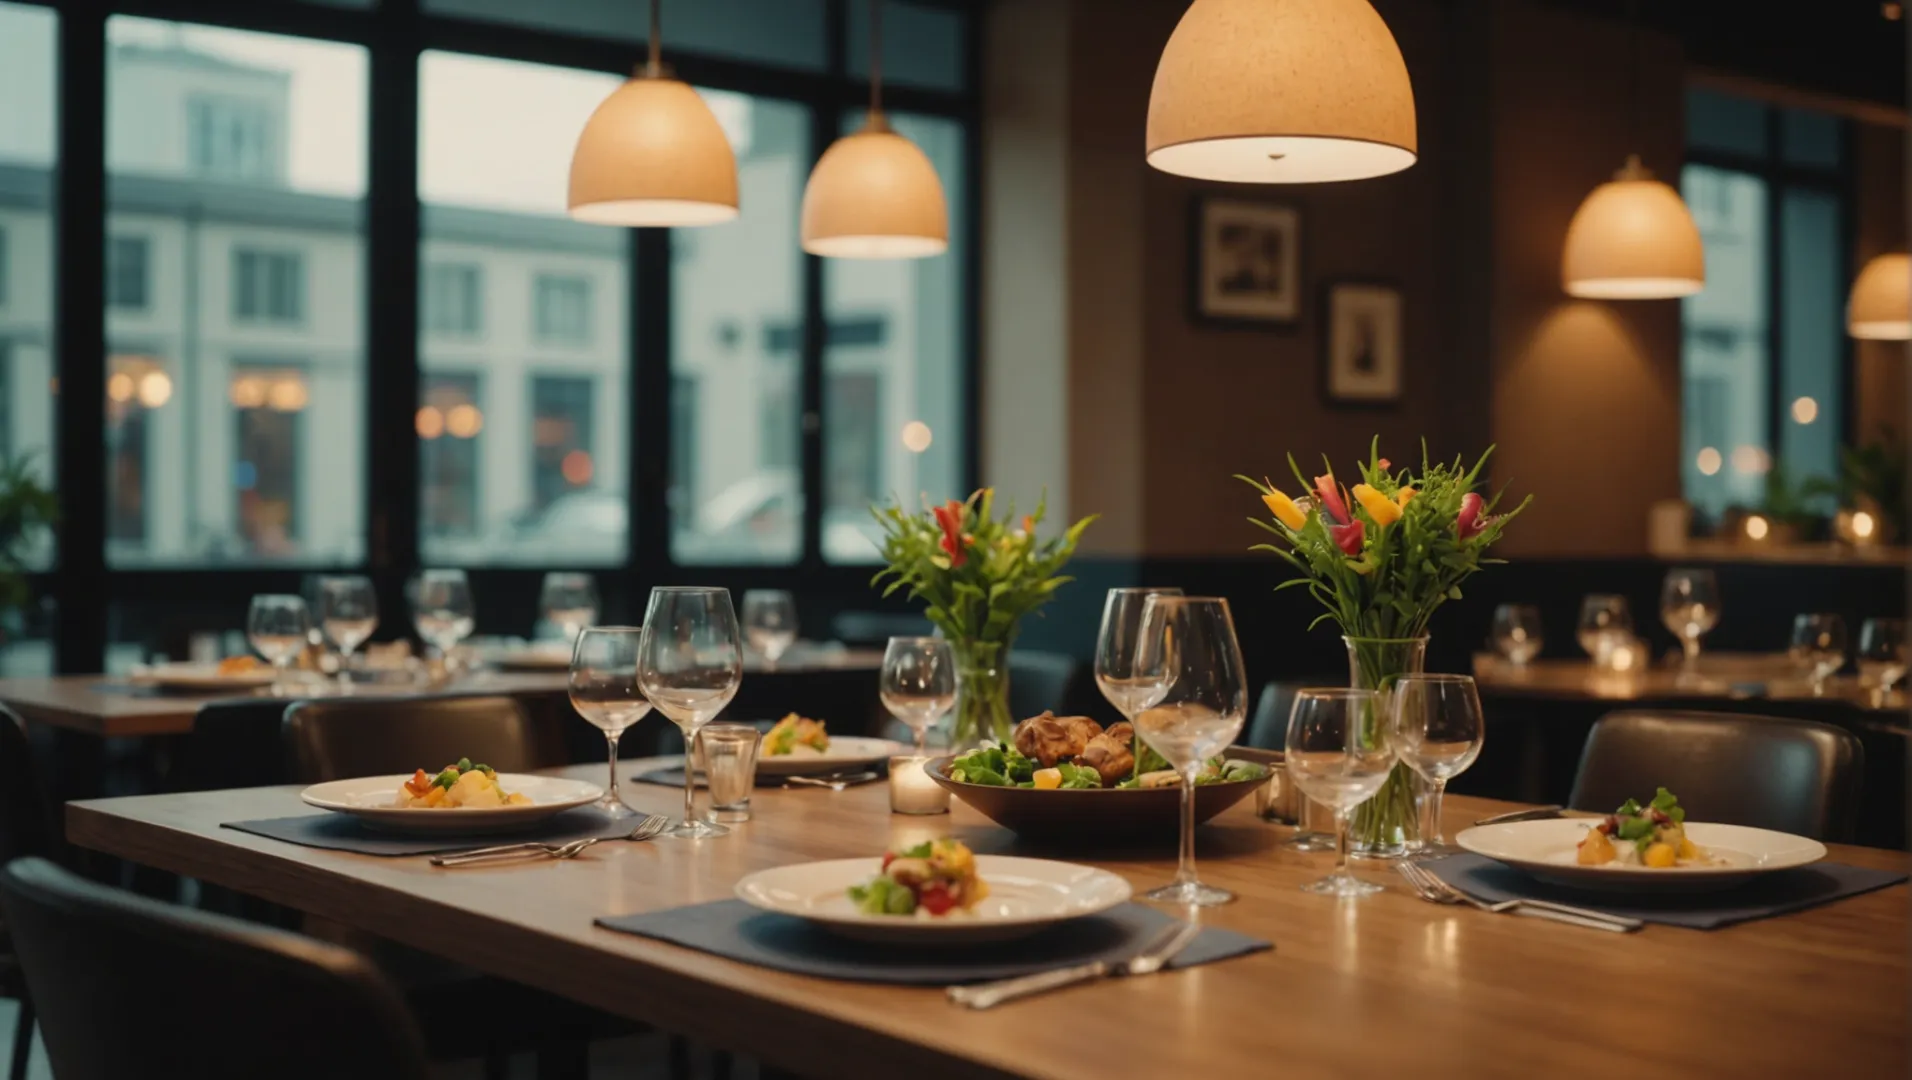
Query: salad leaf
point(1078, 776)
point(920, 851)
point(1636, 828)
point(1630, 808)
point(979, 774)
point(1146, 759)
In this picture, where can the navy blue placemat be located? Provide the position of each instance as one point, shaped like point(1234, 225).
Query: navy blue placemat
point(674, 777)
point(1771, 894)
point(736, 931)
point(342, 832)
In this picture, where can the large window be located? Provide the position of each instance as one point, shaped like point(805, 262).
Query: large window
point(562, 309)
point(269, 402)
point(453, 299)
point(450, 425)
point(1765, 348)
point(267, 286)
point(126, 272)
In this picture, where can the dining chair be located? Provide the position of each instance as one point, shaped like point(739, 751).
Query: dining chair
point(130, 987)
point(1796, 776)
point(26, 829)
point(1039, 682)
point(337, 738)
point(1267, 728)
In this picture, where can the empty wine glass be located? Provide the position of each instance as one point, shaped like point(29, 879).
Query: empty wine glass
point(1338, 754)
point(1605, 622)
point(1436, 729)
point(1115, 649)
point(690, 662)
point(1882, 656)
point(1818, 647)
point(1194, 700)
point(604, 691)
point(770, 622)
point(276, 626)
point(1689, 606)
point(348, 613)
point(1516, 632)
point(568, 601)
point(918, 683)
point(442, 609)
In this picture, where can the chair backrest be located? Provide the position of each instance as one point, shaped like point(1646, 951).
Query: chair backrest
point(337, 738)
point(128, 987)
point(234, 744)
point(26, 826)
point(1039, 681)
point(1796, 776)
point(1267, 726)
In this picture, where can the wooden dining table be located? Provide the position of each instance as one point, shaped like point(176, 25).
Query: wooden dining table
point(1734, 677)
point(1387, 985)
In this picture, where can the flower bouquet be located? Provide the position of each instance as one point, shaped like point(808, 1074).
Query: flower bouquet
point(980, 576)
point(1382, 557)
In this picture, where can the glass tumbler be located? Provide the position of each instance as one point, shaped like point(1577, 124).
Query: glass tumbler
point(730, 770)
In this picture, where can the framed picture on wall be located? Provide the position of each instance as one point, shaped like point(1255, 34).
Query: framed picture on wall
point(1363, 348)
point(1246, 261)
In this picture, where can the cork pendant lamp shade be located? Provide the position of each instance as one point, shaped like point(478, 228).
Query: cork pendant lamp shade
point(653, 154)
point(1880, 308)
point(1281, 92)
point(874, 193)
point(1633, 239)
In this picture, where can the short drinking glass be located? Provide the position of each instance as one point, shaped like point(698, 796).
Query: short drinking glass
point(604, 691)
point(568, 601)
point(690, 664)
point(1516, 633)
point(918, 682)
point(770, 622)
point(1882, 655)
point(1338, 754)
point(276, 626)
point(1818, 647)
point(730, 769)
point(1436, 730)
point(1605, 622)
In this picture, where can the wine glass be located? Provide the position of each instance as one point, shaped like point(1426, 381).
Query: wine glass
point(276, 626)
point(1115, 649)
point(918, 683)
point(348, 613)
point(442, 609)
point(770, 622)
point(1689, 606)
point(1516, 632)
point(568, 601)
point(689, 665)
point(1818, 647)
point(1338, 754)
point(1605, 621)
point(1435, 728)
point(604, 691)
point(1882, 655)
point(1193, 700)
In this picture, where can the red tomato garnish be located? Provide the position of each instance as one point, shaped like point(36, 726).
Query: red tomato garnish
point(935, 898)
point(888, 858)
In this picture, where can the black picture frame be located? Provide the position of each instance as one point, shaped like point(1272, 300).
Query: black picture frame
point(1348, 381)
point(1272, 295)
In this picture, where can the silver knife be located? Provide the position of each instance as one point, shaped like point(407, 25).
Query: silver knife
point(1532, 813)
point(834, 781)
point(1152, 958)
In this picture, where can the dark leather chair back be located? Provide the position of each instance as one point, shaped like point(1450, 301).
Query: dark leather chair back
point(234, 744)
point(128, 988)
point(1796, 776)
point(1039, 681)
point(26, 826)
point(338, 738)
point(1268, 725)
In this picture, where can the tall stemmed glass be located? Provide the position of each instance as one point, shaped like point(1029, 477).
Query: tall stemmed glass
point(1338, 755)
point(1818, 647)
point(348, 613)
point(1689, 606)
point(1115, 649)
point(442, 610)
point(770, 622)
point(604, 690)
point(1194, 702)
point(1882, 656)
point(689, 665)
point(1436, 729)
point(568, 601)
point(1605, 622)
point(276, 626)
point(1516, 633)
point(918, 682)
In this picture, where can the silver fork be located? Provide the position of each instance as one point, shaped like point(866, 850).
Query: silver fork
point(835, 781)
point(649, 828)
point(1161, 948)
point(1431, 888)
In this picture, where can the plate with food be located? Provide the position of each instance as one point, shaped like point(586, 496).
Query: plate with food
point(1641, 847)
point(797, 745)
point(1068, 777)
point(232, 673)
point(937, 892)
point(464, 797)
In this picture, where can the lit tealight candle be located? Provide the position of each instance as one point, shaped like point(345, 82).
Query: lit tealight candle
point(912, 790)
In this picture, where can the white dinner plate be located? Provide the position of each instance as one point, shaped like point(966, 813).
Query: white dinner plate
point(1025, 897)
point(370, 799)
point(846, 752)
point(183, 676)
point(543, 656)
point(1547, 849)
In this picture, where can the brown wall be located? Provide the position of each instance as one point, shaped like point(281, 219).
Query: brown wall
point(1878, 383)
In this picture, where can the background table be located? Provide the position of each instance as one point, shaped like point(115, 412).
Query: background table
point(1386, 986)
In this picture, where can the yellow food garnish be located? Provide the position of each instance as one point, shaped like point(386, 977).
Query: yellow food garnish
point(1048, 779)
point(1659, 855)
point(1596, 849)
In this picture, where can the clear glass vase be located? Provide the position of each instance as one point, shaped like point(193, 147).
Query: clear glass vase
point(1387, 826)
point(982, 695)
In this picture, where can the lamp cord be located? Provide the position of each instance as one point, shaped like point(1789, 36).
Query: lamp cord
point(1633, 75)
point(656, 65)
point(876, 57)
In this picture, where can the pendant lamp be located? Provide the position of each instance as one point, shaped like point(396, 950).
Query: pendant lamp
point(1880, 308)
point(653, 154)
point(1633, 238)
point(873, 193)
point(1281, 92)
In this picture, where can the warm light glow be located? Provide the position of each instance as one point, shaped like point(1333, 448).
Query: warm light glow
point(1804, 410)
point(1751, 459)
point(1892, 11)
point(1757, 527)
point(1880, 307)
point(288, 395)
point(429, 422)
point(464, 420)
point(1708, 461)
point(874, 195)
point(155, 389)
point(1633, 239)
point(576, 468)
point(1863, 525)
point(247, 392)
point(917, 436)
point(653, 154)
point(120, 387)
point(1281, 91)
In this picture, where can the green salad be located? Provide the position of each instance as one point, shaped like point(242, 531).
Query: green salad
point(1002, 765)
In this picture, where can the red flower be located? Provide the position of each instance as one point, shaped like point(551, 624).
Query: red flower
point(1331, 500)
point(949, 518)
point(1348, 538)
point(1470, 522)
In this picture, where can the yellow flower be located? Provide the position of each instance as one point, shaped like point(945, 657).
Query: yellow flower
point(1284, 509)
point(1403, 495)
point(1383, 510)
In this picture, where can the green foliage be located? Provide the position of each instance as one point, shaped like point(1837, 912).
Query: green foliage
point(1406, 569)
point(1871, 478)
point(26, 508)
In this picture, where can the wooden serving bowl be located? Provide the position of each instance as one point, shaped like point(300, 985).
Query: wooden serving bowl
point(1104, 815)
